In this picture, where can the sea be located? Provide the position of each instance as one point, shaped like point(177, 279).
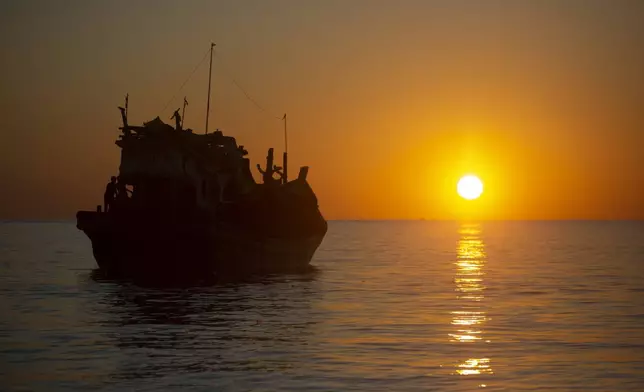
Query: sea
point(387, 306)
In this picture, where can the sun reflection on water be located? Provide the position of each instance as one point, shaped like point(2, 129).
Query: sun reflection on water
point(474, 366)
point(469, 319)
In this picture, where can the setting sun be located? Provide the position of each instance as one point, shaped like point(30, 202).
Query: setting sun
point(469, 187)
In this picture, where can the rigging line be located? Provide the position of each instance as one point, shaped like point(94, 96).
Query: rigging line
point(260, 107)
point(186, 81)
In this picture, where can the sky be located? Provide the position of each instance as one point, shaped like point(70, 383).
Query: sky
point(388, 102)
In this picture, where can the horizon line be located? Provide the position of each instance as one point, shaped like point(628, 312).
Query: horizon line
point(59, 220)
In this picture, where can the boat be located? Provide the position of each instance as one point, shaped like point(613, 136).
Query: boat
point(188, 207)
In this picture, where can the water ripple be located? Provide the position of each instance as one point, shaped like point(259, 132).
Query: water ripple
point(389, 306)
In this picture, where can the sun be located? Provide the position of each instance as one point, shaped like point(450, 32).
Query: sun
point(469, 187)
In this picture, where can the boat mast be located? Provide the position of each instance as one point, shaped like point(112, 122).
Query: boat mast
point(183, 114)
point(285, 135)
point(285, 157)
point(212, 46)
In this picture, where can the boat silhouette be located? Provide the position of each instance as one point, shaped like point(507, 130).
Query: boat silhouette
point(187, 206)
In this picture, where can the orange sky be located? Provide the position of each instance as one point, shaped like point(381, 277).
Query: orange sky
point(389, 102)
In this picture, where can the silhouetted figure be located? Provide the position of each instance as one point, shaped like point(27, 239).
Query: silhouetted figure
point(121, 191)
point(278, 170)
point(267, 175)
point(177, 119)
point(110, 194)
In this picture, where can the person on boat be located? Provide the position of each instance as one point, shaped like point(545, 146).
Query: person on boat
point(278, 170)
point(121, 190)
point(177, 117)
point(110, 194)
point(267, 175)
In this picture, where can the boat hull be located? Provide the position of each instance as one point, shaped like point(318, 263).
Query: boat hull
point(178, 251)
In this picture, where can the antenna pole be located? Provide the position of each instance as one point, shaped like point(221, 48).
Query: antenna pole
point(285, 135)
point(183, 114)
point(127, 96)
point(212, 46)
point(285, 158)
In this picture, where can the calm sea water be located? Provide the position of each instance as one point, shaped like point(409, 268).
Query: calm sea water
point(396, 306)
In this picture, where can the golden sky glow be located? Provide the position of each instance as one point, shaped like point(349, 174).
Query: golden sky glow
point(389, 102)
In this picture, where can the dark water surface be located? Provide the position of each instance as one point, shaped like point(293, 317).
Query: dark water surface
point(395, 306)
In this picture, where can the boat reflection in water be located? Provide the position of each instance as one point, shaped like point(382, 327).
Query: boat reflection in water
point(258, 324)
point(468, 320)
